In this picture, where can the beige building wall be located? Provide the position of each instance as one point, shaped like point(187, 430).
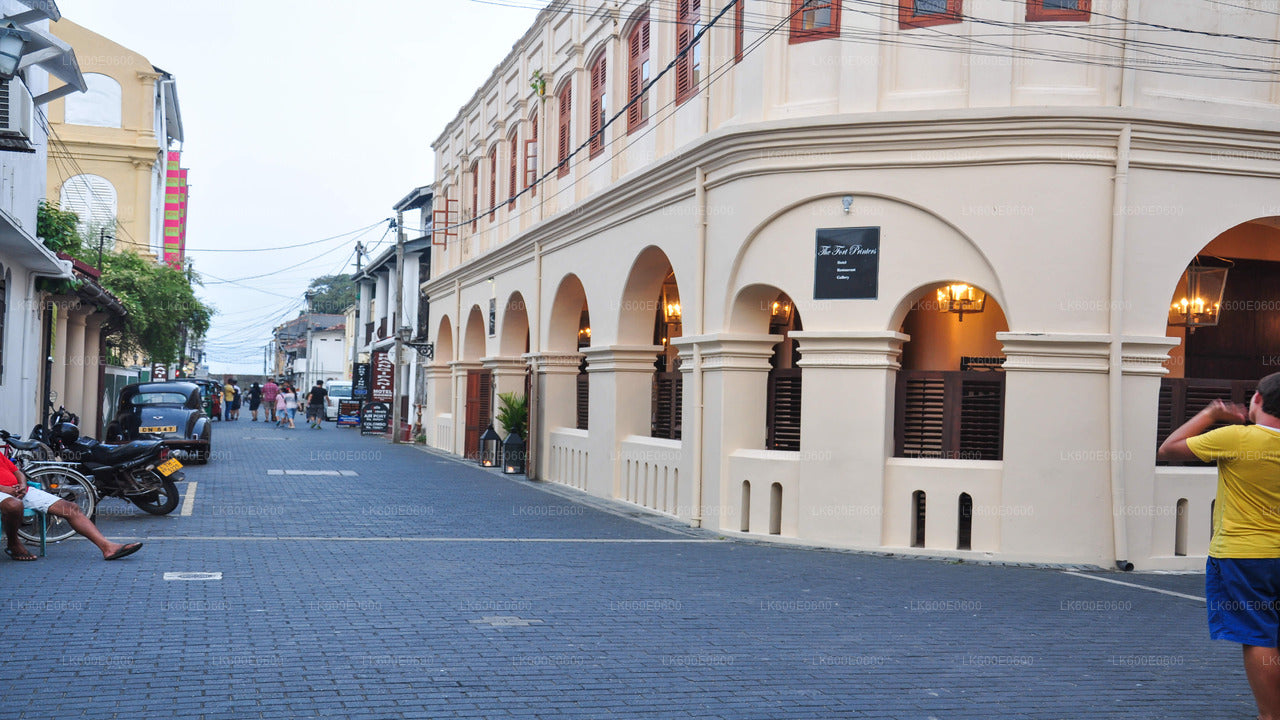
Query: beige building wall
point(122, 148)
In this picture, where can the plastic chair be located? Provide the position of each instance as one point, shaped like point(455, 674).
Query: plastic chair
point(40, 517)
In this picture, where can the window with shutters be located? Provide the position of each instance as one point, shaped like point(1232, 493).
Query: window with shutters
point(475, 193)
point(926, 13)
point(493, 183)
point(814, 20)
point(514, 149)
point(739, 30)
point(531, 156)
point(689, 62)
point(1062, 10)
point(638, 75)
point(564, 128)
point(599, 104)
point(93, 199)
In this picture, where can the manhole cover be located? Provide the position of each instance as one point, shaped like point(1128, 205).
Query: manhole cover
point(193, 576)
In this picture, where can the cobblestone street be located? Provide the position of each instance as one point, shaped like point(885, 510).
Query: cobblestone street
point(354, 579)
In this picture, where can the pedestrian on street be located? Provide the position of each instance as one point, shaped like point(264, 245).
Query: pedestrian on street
point(235, 400)
point(217, 405)
point(228, 394)
point(290, 398)
point(1242, 572)
point(255, 399)
point(269, 392)
point(18, 496)
point(315, 405)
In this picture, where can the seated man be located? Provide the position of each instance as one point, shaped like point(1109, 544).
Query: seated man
point(17, 496)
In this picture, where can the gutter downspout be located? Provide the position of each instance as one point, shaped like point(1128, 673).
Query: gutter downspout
point(700, 289)
point(1115, 376)
point(535, 346)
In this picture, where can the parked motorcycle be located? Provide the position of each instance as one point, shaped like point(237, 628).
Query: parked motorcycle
point(137, 471)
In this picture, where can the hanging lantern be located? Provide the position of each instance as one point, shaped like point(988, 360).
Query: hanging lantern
point(780, 312)
point(960, 298)
point(513, 454)
point(490, 442)
point(1201, 302)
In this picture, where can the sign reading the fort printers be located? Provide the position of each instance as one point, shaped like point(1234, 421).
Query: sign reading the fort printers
point(846, 264)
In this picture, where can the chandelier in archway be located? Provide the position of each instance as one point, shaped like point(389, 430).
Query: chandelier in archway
point(961, 298)
point(1200, 304)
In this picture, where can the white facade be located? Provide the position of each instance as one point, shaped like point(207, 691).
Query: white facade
point(1071, 169)
point(325, 358)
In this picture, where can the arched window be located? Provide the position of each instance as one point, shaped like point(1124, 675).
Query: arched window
point(101, 105)
point(514, 149)
point(565, 100)
point(531, 156)
point(93, 199)
point(689, 65)
point(599, 104)
point(493, 183)
point(638, 74)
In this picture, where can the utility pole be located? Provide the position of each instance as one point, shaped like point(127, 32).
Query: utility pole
point(309, 381)
point(399, 317)
point(355, 331)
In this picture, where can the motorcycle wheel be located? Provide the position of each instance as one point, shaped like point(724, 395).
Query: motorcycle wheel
point(68, 485)
point(158, 502)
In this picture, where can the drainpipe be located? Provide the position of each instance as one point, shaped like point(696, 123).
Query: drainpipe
point(1115, 377)
point(700, 290)
point(535, 346)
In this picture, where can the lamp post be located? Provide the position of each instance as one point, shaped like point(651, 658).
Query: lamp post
point(399, 319)
point(12, 41)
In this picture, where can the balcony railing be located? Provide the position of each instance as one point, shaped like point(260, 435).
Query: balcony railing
point(954, 415)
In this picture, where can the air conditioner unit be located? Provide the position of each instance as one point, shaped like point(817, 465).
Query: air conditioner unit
point(16, 108)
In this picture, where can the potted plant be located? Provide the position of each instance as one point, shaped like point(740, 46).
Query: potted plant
point(514, 416)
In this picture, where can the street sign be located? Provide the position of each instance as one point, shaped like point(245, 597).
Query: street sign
point(159, 372)
point(362, 381)
point(375, 417)
point(348, 413)
point(384, 378)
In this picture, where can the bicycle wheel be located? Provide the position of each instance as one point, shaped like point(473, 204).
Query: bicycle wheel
point(68, 485)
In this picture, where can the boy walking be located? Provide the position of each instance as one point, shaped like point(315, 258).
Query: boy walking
point(315, 405)
point(1242, 573)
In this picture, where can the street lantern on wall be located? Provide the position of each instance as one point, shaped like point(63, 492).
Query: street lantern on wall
point(961, 298)
point(12, 41)
point(1201, 301)
point(513, 454)
point(490, 443)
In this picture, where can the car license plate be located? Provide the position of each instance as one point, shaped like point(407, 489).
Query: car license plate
point(158, 429)
point(169, 467)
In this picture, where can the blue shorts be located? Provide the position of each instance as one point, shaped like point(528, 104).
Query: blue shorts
point(1243, 600)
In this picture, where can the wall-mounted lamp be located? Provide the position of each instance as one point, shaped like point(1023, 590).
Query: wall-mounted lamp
point(847, 202)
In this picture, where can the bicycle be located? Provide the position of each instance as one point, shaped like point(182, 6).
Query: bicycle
point(34, 459)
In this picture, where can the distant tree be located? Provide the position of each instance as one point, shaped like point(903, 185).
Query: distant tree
point(332, 294)
point(57, 228)
point(162, 305)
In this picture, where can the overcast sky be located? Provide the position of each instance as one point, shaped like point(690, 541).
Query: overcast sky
point(304, 119)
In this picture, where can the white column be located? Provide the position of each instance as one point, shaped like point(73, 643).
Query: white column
point(58, 380)
point(620, 405)
point(460, 369)
point(508, 377)
point(90, 417)
point(556, 375)
point(74, 400)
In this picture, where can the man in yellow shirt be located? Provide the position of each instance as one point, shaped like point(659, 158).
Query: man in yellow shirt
point(1242, 573)
point(228, 395)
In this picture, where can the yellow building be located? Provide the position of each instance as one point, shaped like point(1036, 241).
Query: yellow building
point(108, 146)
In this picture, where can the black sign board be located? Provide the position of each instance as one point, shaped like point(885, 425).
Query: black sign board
point(375, 418)
point(846, 264)
point(348, 413)
point(360, 386)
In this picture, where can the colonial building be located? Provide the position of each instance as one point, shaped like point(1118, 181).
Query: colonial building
point(891, 276)
point(114, 158)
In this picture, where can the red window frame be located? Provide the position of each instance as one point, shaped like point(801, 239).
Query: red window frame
point(599, 83)
point(514, 149)
point(637, 56)
point(565, 128)
point(1037, 12)
point(475, 193)
point(739, 30)
point(531, 154)
point(800, 34)
point(907, 17)
point(687, 12)
point(493, 183)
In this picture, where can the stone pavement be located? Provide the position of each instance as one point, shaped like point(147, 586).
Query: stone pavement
point(410, 585)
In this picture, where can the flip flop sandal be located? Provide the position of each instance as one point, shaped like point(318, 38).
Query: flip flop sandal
point(125, 551)
point(20, 558)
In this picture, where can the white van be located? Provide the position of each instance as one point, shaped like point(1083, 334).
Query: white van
point(338, 390)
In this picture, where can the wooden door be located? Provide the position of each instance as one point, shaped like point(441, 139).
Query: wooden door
point(479, 408)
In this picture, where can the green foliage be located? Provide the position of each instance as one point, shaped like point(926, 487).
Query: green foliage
point(58, 230)
point(332, 294)
point(514, 413)
point(163, 308)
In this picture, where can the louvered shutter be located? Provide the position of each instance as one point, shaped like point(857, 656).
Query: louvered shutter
point(684, 66)
point(566, 117)
point(531, 157)
point(511, 180)
point(738, 31)
point(475, 193)
point(493, 183)
point(783, 421)
point(92, 199)
point(597, 103)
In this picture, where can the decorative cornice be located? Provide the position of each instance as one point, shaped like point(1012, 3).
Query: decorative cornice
point(505, 365)
point(464, 365)
point(1146, 355)
point(622, 358)
point(1056, 352)
point(842, 349)
point(552, 363)
point(728, 351)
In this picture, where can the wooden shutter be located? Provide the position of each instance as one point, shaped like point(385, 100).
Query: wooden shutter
point(493, 183)
point(475, 193)
point(667, 399)
point(738, 31)
point(981, 417)
point(920, 410)
point(783, 421)
point(531, 157)
point(637, 56)
point(686, 14)
point(598, 78)
point(950, 415)
point(584, 395)
point(511, 180)
point(565, 125)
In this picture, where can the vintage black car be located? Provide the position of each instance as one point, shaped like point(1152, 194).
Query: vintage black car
point(172, 411)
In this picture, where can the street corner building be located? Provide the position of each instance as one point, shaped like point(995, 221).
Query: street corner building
point(930, 277)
